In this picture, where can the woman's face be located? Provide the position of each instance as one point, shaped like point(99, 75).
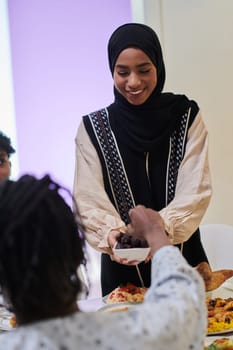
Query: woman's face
point(5, 166)
point(135, 76)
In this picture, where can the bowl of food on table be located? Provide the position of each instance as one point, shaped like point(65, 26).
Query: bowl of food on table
point(219, 302)
point(128, 293)
point(123, 297)
point(220, 344)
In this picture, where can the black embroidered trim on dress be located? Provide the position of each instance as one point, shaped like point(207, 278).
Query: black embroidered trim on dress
point(118, 180)
point(176, 154)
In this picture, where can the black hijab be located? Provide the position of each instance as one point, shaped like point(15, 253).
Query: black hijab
point(143, 127)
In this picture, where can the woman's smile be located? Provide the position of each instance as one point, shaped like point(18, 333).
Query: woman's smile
point(135, 76)
point(134, 92)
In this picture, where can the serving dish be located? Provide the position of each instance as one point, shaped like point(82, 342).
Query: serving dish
point(5, 324)
point(225, 332)
point(116, 307)
point(128, 293)
point(228, 285)
point(5, 320)
point(218, 342)
point(105, 300)
point(132, 254)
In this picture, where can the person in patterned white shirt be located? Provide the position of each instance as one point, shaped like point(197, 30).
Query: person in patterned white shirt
point(42, 245)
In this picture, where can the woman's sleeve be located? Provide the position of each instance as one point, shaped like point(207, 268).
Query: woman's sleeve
point(97, 212)
point(193, 189)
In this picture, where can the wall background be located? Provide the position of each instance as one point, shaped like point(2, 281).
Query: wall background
point(197, 41)
point(60, 72)
point(7, 113)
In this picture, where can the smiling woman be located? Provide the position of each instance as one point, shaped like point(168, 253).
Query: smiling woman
point(141, 149)
point(135, 76)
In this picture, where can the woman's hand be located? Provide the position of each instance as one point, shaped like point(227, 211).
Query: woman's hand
point(112, 240)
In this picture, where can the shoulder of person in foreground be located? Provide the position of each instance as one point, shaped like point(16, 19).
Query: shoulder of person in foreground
point(176, 298)
point(147, 224)
point(172, 315)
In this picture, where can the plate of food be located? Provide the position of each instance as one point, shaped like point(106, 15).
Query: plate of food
point(128, 293)
point(131, 248)
point(7, 320)
point(220, 316)
point(220, 344)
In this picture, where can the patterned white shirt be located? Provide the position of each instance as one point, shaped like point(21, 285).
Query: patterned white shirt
point(172, 316)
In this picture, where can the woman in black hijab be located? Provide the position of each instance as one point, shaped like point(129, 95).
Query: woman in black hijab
point(148, 147)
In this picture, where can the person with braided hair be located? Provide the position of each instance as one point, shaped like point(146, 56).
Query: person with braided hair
point(6, 150)
point(42, 244)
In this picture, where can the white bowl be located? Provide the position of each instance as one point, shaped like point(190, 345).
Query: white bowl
point(137, 254)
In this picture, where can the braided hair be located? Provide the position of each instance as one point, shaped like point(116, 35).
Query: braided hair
point(41, 247)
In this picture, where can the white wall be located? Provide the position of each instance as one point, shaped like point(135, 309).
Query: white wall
point(197, 38)
point(7, 112)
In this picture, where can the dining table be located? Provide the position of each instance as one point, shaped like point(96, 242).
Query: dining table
point(97, 304)
point(225, 291)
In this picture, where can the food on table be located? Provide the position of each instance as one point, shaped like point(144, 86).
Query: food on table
point(13, 322)
point(220, 314)
point(213, 279)
point(117, 309)
point(127, 293)
point(221, 344)
point(125, 241)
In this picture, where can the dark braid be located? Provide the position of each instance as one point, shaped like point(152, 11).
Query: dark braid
point(38, 236)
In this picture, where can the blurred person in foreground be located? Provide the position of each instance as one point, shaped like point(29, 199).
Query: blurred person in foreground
point(42, 244)
point(6, 150)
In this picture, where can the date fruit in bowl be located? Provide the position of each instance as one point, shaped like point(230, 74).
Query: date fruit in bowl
point(131, 248)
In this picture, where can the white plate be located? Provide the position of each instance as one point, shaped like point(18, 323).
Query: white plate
point(105, 298)
point(211, 339)
point(221, 292)
point(5, 324)
point(117, 307)
point(225, 332)
point(131, 254)
point(5, 317)
point(228, 285)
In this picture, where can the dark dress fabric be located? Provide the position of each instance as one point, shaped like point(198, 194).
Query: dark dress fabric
point(114, 274)
point(148, 189)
